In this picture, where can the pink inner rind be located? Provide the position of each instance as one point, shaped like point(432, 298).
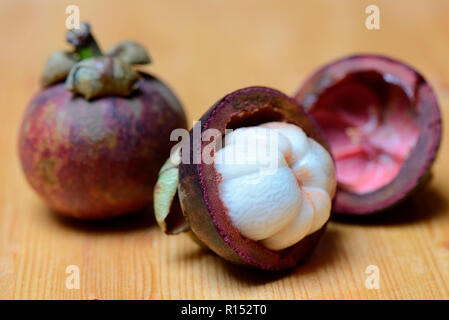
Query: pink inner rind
point(416, 167)
point(371, 131)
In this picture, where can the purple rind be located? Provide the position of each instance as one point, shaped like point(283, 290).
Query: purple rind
point(421, 157)
point(100, 158)
point(198, 187)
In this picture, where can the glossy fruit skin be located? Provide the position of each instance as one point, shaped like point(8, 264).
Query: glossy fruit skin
point(198, 185)
point(381, 70)
point(98, 159)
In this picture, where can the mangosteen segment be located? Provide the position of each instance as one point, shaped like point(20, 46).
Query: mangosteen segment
point(383, 123)
point(201, 184)
point(276, 183)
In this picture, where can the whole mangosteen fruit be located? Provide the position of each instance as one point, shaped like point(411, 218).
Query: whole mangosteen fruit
point(92, 141)
point(254, 178)
point(383, 123)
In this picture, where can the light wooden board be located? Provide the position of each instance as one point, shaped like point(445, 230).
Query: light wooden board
point(205, 49)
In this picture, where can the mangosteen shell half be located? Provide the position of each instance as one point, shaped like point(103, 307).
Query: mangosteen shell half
point(378, 73)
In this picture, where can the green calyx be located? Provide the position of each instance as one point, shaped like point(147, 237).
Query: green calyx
point(130, 52)
point(85, 53)
point(58, 67)
point(89, 72)
point(102, 76)
point(166, 205)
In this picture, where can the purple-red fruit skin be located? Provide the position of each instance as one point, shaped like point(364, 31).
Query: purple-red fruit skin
point(381, 72)
point(98, 159)
point(198, 186)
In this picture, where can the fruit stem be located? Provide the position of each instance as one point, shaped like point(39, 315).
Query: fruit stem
point(84, 42)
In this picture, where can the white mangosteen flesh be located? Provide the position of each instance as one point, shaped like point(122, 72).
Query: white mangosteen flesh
point(276, 183)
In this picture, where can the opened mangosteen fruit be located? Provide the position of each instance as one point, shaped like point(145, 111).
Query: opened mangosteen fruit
point(255, 181)
point(92, 141)
point(383, 123)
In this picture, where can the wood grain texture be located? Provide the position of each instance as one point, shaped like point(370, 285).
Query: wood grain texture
point(205, 49)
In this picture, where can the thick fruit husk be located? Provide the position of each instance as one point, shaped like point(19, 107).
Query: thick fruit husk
point(100, 158)
point(384, 79)
point(198, 187)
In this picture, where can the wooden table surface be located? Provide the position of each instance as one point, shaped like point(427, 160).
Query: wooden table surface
point(205, 49)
